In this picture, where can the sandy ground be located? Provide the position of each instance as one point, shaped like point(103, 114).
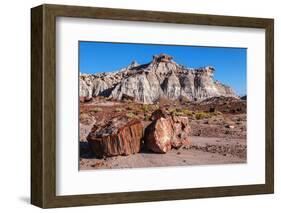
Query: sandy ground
point(202, 151)
point(219, 138)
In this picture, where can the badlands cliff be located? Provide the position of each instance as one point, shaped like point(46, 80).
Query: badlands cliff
point(161, 78)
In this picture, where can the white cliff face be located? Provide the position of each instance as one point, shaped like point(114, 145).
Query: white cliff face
point(147, 83)
point(171, 87)
point(85, 89)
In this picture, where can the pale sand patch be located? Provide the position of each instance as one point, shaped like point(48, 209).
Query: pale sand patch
point(181, 157)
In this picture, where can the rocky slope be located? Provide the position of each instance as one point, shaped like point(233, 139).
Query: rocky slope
point(161, 78)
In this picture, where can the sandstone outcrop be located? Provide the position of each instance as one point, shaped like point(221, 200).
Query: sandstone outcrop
point(162, 77)
point(118, 137)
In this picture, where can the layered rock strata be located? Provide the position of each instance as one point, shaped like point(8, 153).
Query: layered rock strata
point(147, 83)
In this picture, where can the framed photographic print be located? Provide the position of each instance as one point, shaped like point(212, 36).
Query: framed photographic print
point(136, 106)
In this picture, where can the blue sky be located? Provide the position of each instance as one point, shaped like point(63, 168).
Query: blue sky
point(230, 63)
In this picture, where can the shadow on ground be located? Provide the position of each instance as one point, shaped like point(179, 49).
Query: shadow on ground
point(25, 199)
point(86, 152)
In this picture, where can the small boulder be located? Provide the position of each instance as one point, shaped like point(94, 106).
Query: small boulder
point(229, 126)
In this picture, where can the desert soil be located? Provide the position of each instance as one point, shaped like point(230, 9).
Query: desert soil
point(216, 137)
point(197, 154)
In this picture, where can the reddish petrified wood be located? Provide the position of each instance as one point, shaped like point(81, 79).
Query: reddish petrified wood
point(181, 131)
point(119, 137)
point(158, 136)
point(166, 133)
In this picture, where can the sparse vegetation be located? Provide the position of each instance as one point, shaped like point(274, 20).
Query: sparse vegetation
point(180, 112)
point(187, 112)
point(209, 123)
point(202, 115)
point(84, 116)
point(130, 107)
point(96, 109)
point(119, 110)
point(131, 115)
point(146, 117)
point(172, 111)
point(145, 108)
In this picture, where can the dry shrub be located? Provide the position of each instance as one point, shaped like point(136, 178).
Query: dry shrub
point(96, 109)
point(131, 115)
point(118, 110)
point(202, 115)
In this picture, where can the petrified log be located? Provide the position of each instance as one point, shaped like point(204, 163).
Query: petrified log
point(166, 133)
point(157, 137)
point(119, 137)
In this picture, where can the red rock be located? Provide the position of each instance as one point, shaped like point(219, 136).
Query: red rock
point(119, 137)
point(163, 134)
point(157, 137)
point(85, 99)
point(82, 99)
point(181, 131)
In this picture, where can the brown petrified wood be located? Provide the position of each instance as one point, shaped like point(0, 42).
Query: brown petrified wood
point(118, 137)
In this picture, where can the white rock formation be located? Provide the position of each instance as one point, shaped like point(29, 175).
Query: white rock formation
point(162, 77)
